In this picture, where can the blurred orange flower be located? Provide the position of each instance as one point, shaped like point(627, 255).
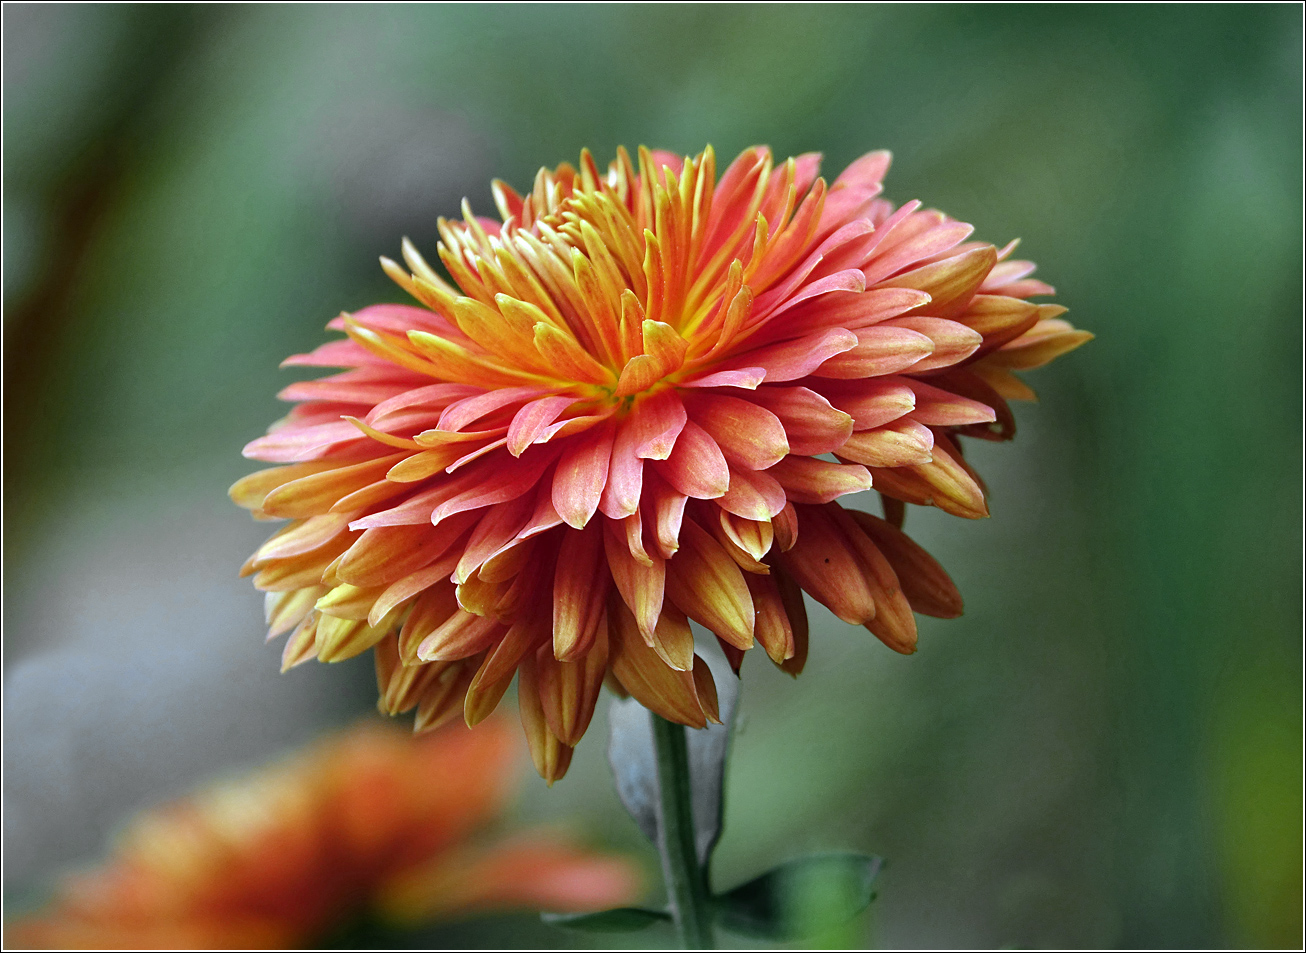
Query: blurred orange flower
point(618, 418)
point(371, 821)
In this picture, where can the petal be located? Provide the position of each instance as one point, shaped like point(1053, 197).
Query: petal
point(655, 422)
point(925, 583)
point(388, 553)
point(811, 424)
point(664, 510)
point(774, 632)
point(316, 492)
point(621, 494)
point(953, 341)
point(810, 480)
point(640, 585)
point(570, 690)
point(581, 475)
point(580, 586)
point(532, 420)
point(747, 434)
point(647, 677)
point(753, 494)
point(943, 408)
point(697, 467)
point(871, 403)
point(950, 283)
point(828, 565)
point(901, 443)
point(798, 358)
point(550, 755)
point(878, 350)
point(704, 582)
point(945, 482)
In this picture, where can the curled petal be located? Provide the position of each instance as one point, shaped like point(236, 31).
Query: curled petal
point(579, 590)
point(926, 585)
point(659, 688)
point(704, 582)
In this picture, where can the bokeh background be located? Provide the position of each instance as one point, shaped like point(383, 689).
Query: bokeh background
point(1106, 750)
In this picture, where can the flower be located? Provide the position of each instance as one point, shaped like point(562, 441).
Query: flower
point(617, 419)
point(368, 821)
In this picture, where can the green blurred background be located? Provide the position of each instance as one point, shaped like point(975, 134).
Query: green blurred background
point(1104, 751)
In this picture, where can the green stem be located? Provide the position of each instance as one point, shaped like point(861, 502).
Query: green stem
point(687, 888)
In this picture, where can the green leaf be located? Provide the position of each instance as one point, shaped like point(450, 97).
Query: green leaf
point(618, 920)
point(801, 897)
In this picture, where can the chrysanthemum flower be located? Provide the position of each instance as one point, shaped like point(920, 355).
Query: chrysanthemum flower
point(371, 821)
point(620, 416)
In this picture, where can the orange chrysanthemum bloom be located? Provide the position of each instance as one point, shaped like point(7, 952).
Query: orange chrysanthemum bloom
point(617, 419)
point(371, 821)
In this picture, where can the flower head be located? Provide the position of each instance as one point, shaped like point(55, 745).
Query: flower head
point(370, 820)
point(617, 418)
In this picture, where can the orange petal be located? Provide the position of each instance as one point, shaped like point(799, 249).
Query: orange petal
point(811, 424)
point(792, 596)
point(953, 342)
point(317, 492)
point(828, 564)
point(647, 677)
point(879, 350)
point(570, 690)
point(773, 631)
point(640, 585)
point(706, 584)
point(388, 553)
point(753, 494)
point(950, 283)
point(654, 424)
point(551, 756)
point(945, 482)
point(871, 403)
point(925, 583)
point(580, 585)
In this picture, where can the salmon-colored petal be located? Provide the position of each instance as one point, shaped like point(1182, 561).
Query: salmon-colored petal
point(901, 443)
point(774, 631)
point(654, 424)
point(533, 419)
point(950, 283)
point(798, 358)
point(581, 475)
point(810, 480)
point(944, 482)
point(942, 408)
point(878, 350)
point(953, 341)
point(621, 494)
point(747, 433)
point(697, 466)
point(870, 403)
point(551, 756)
point(570, 690)
point(754, 494)
point(811, 423)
